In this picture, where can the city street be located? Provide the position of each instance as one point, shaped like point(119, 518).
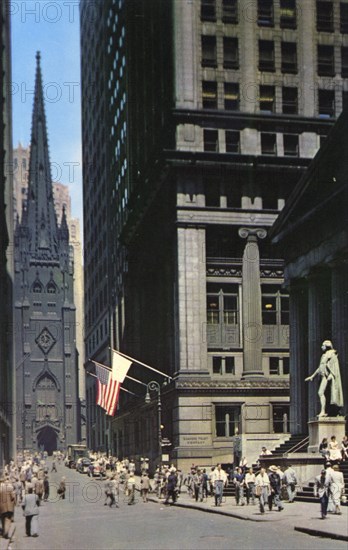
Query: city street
point(82, 521)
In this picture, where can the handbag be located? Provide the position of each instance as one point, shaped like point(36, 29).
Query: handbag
point(258, 489)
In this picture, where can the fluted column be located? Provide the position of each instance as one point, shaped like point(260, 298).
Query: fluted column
point(298, 357)
point(251, 307)
point(339, 280)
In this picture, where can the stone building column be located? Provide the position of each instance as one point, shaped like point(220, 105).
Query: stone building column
point(339, 300)
point(319, 329)
point(298, 356)
point(191, 299)
point(251, 307)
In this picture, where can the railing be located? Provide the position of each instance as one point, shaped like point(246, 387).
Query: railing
point(298, 446)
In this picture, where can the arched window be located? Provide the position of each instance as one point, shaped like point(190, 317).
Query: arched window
point(51, 287)
point(37, 287)
point(46, 399)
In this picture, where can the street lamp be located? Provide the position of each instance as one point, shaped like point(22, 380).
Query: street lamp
point(154, 386)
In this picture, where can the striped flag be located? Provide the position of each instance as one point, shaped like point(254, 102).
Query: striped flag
point(109, 382)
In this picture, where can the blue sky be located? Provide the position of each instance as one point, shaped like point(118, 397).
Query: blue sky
point(52, 27)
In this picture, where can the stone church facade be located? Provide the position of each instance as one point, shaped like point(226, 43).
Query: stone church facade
point(48, 409)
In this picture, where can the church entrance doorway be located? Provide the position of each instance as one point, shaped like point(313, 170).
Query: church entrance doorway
point(47, 440)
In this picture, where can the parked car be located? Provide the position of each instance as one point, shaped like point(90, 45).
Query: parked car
point(82, 465)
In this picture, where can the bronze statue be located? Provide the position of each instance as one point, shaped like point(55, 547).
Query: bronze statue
point(329, 371)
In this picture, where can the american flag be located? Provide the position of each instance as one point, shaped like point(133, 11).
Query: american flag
point(109, 382)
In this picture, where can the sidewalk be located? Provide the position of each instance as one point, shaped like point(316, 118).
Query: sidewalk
point(302, 516)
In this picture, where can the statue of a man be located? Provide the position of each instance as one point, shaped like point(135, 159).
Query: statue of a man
point(329, 370)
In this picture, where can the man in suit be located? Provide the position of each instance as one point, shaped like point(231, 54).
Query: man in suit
point(7, 504)
point(322, 487)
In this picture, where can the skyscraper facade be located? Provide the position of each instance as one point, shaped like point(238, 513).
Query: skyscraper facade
point(48, 411)
point(206, 114)
point(7, 387)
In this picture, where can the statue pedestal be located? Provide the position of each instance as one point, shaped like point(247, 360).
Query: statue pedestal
point(325, 426)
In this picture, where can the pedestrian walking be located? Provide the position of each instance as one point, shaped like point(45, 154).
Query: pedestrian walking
point(337, 488)
point(290, 481)
point(62, 489)
point(7, 504)
point(250, 486)
point(144, 486)
point(115, 490)
point(262, 488)
point(46, 488)
point(31, 512)
point(131, 488)
point(54, 467)
point(275, 494)
point(322, 487)
point(219, 478)
point(171, 487)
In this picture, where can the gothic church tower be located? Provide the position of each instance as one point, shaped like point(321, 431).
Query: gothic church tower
point(48, 411)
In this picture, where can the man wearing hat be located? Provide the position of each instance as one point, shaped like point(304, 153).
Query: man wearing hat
point(275, 483)
point(7, 504)
point(329, 371)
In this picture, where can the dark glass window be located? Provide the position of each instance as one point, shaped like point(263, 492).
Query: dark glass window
point(231, 96)
point(275, 305)
point(208, 10)
point(209, 95)
point(326, 60)
point(290, 100)
point(212, 192)
point(229, 365)
point(231, 57)
point(274, 366)
point(291, 145)
point(232, 141)
point(269, 310)
point(211, 140)
point(209, 51)
point(267, 99)
point(286, 365)
point(266, 55)
point(344, 61)
point(326, 103)
point(217, 365)
point(222, 304)
point(268, 144)
point(289, 57)
point(265, 15)
point(344, 18)
point(227, 420)
point(288, 14)
point(230, 11)
point(345, 100)
point(324, 16)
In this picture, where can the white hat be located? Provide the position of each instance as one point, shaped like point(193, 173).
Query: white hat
point(327, 344)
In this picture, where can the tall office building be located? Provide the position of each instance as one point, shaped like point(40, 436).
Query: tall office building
point(199, 116)
point(48, 415)
point(7, 387)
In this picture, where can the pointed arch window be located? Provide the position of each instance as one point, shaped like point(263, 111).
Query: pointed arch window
point(37, 287)
point(46, 399)
point(51, 287)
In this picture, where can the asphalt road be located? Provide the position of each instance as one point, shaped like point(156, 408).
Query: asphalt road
point(83, 522)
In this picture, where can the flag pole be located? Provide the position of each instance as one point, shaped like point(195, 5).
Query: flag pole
point(135, 380)
point(143, 364)
point(100, 365)
point(121, 387)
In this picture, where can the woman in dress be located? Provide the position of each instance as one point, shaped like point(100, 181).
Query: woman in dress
point(335, 455)
point(337, 487)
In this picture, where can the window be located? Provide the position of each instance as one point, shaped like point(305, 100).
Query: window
point(222, 304)
point(226, 420)
point(232, 142)
point(324, 16)
point(344, 18)
point(289, 57)
point(326, 103)
point(209, 95)
point(281, 418)
point(37, 287)
point(290, 100)
point(290, 142)
point(274, 366)
point(231, 58)
point(231, 96)
point(265, 13)
point(208, 10)
point(344, 59)
point(209, 51)
point(286, 365)
point(266, 55)
point(223, 365)
point(51, 288)
point(212, 192)
point(267, 99)
point(230, 11)
point(288, 14)
point(326, 61)
point(275, 305)
point(268, 144)
point(211, 140)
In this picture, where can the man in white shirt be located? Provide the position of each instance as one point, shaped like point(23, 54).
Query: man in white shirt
point(219, 479)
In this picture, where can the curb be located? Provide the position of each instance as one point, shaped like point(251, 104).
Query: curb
point(324, 534)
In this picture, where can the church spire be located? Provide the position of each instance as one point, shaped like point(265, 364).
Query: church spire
point(40, 216)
